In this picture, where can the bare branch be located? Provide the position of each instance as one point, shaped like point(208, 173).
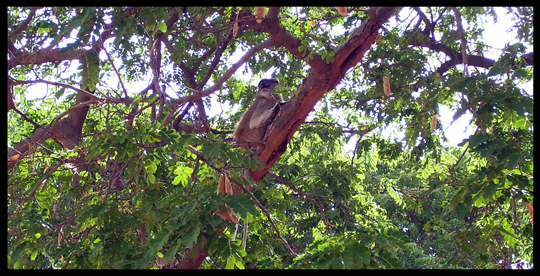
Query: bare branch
point(116, 71)
point(56, 55)
point(228, 74)
point(86, 93)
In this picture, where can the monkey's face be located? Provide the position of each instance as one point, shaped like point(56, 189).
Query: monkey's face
point(267, 86)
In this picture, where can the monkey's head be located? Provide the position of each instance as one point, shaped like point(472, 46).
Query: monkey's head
point(266, 87)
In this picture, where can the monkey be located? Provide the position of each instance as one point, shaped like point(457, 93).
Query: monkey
point(249, 133)
point(252, 127)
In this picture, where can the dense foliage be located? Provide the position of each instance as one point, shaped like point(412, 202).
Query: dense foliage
point(116, 163)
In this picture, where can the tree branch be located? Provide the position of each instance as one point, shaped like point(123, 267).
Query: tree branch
point(457, 57)
point(281, 37)
point(24, 24)
point(43, 56)
point(56, 55)
point(227, 75)
point(319, 81)
point(321, 208)
point(463, 41)
point(86, 93)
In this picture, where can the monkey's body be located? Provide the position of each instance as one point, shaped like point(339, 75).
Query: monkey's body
point(254, 123)
point(249, 133)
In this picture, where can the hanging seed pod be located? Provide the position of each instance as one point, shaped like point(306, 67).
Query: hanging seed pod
point(224, 187)
point(378, 38)
point(235, 26)
point(433, 122)
point(386, 86)
point(260, 13)
point(342, 11)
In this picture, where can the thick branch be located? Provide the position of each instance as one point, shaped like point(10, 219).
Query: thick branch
point(44, 56)
point(281, 37)
point(320, 80)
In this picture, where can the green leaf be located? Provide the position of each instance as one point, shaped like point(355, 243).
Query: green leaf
point(211, 151)
point(18, 264)
point(461, 85)
point(513, 159)
point(348, 259)
point(171, 253)
point(519, 180)
point(389, 261)
point(461, 210)
point(151, 178)
point(158, 242)
point(494, 70)
point(90, 70)
point(16, 255)
point(34, 255)
point(242, 204)
point(522, 74)
point(191, 237)
point(326, 262)
point(239, 264)
point(151, 167)
point(337, 263)
point(476, 139)
point(178, 179)
point(162, 27)
point(230, 262)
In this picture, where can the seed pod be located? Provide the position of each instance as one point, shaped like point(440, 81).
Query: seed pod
point(224, 187)
point(433, 122)
point(235, 29)
point(221, 185)
point(235, 26)
point(260, 13)
point(342, 11)
point(386, 86)
point(378, 38)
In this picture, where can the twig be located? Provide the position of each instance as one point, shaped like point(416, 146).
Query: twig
point(228, 73)
point(40, 182)
point(115, 70)
point(36, 125)
point(280, 179)
point(86, 93)
point(267, 215)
